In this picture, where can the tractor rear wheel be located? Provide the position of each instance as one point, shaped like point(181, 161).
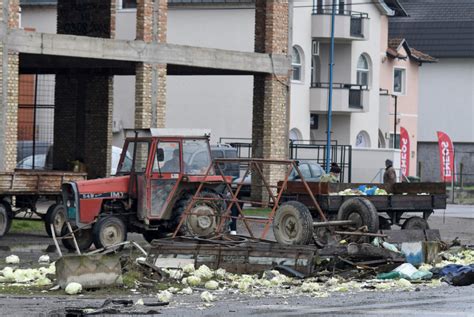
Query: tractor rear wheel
point(293, 224)
point(203, 218)
point(55, 215)
point(83, 238)
point(5, 218)
point(108, 231)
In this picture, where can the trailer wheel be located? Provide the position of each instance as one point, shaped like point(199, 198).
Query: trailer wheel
point(204, 216)
point(415, 223)
point(293, 224)
point(5, 218)
point(108, 231)
point(83, 238)
point(55, 215)
point(361, 211)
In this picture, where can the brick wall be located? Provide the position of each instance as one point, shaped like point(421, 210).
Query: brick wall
point(84, 98)
point(150, 84)
point(271, 102)
point(8, 90)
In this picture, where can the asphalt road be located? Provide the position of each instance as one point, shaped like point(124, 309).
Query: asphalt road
point(457, 221)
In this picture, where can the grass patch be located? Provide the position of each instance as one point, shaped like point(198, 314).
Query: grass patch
point(259, 212)
point(26, 226)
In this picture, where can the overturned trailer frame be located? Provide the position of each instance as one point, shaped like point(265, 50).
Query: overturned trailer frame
point(305, 212)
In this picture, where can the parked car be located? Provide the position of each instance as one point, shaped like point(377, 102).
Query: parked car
point(311, 171)
point(24, 149)
point(40, 161)
point(226, 151)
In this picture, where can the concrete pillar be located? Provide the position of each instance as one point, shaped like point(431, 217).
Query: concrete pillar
point(84, 98)
point(9, 76)
point(150, 81)
point(271, 92)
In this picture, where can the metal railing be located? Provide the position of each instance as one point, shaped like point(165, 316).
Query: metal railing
point(310, 150)
point(339, 86)
point(356, 14)
point(355, 92)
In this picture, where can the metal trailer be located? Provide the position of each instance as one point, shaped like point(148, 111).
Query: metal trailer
point(407, 205)
point(21, 190)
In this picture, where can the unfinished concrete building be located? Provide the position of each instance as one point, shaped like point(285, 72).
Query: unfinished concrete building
point(84, 57)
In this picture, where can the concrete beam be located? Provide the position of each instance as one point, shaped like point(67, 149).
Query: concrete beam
point(139, 51)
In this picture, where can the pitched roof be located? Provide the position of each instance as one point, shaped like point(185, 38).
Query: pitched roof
point(394, 45)
point(439, 28)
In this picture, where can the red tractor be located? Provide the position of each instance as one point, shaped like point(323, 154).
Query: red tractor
point(158, 173)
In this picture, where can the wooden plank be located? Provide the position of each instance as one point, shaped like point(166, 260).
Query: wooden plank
point(36, 182)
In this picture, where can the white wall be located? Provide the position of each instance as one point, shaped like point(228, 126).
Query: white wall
point(299, 100)
point(368, 164)
point(368, 121)
point(446, 94)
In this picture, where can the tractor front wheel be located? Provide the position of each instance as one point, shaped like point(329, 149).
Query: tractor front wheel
point(83, 238)
point(108, 231)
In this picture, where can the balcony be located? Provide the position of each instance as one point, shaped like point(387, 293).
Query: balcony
point(349, 25)
point(346, 98)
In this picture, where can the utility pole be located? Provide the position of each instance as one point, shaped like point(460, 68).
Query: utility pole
point(395, 123)
point(331, 66)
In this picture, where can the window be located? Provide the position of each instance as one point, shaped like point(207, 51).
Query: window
point(399, 76)
point(315, 67)
point(362, 139)
point(363, 71)
point(196, 156)
point(127, 4)
point(141, 157)
point(170, 162)
point(296, 63)
point(397, 141)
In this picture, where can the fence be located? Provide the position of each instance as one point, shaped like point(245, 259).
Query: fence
point(311, 150)
point(35, 121)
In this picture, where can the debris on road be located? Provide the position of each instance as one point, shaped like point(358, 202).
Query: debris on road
point(12, 259)
point(91, 271)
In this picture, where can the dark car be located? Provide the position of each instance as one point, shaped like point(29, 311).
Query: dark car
point(228, 152)
point(311, 171)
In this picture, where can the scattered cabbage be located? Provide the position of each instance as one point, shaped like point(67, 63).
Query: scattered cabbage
point(164, 296)
point(12, 259)
point(73, 288)
point(212, 285)
point(207, 297)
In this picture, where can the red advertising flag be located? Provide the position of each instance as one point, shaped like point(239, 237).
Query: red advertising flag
point(446, 157)
point(404, 151)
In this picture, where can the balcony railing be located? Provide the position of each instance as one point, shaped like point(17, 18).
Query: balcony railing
point(349, 24)
point(345, 95)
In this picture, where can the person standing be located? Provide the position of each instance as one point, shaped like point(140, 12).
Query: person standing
point(389, 176)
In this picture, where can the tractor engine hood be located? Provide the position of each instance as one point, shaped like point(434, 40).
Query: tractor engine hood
point(84, 199)
point(103, 188)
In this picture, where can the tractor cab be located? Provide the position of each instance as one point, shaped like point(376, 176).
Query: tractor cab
point(158, 173)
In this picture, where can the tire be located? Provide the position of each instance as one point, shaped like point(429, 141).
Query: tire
point(109, 231)
point(362, 211)
point(415, 223)
point(151, 235)
point(56, 214)
point(384, 223)
point(293, 224)
point(5, 218)
point(200, 225)
point(83, 238)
